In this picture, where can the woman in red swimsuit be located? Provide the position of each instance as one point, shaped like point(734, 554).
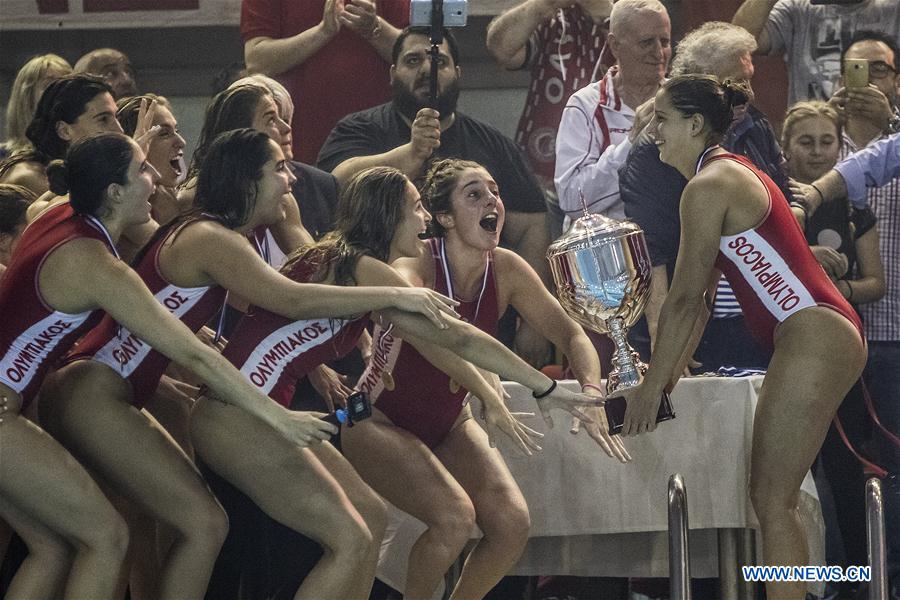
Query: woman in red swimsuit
point(421, 431)
point(92, 404)
point(63, 272)
point(379, 219)
point(735, 221)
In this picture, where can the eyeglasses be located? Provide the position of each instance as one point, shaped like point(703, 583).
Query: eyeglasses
point(878, 69)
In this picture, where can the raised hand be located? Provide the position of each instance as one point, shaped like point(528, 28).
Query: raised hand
point(425, 135)
point(360, 16)
point(145, 130)
point(331, 21)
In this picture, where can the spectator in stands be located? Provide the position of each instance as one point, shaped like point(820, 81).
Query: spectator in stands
point(813, 36)
point(844, 239)
point(316, 191)
point(592, 142)
point(31, 81)
point(563, 44)
point(344, 42)
point(113, 66)
point(651, 192)
point(407, 135)
point(70, 108)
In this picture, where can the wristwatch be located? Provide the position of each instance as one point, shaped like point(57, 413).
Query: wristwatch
point(893, 125)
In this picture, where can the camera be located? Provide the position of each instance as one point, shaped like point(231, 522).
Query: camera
point(358, 409)
point(455, 13)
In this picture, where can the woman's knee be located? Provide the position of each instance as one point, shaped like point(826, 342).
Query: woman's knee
point(107, 535)
point(207, 523)
point(505, 518)
point(771, 501)
point(352, 541)
point(374, 510)
point(453, 519)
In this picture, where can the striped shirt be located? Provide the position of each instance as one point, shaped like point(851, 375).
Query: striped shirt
point(881, 319)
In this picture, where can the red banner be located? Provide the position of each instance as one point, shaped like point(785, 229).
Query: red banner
point(93, 14)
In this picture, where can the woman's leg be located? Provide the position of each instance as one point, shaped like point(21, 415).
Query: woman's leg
point(48, 497)
point(818, 356)
point(500, 508)
point(404, 471)
point(369, 505)
point(87, 409)
point(292, 486)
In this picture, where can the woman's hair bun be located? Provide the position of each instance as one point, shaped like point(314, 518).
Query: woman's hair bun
point(736, 92)
point(58, 177)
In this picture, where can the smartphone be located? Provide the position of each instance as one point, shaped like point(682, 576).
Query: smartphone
point(455, 13)
point(856, 72)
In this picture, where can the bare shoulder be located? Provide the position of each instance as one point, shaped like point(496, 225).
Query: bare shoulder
point(30, 175)
point(718, 185)
point(418, 270)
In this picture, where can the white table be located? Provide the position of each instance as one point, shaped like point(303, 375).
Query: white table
point(593, 516)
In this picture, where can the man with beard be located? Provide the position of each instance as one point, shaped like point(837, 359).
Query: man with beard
point(407, 135)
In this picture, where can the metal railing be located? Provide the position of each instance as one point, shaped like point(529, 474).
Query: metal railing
point(875, 537)
point(679, 555)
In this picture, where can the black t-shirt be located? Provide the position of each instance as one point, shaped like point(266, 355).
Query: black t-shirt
point(838, 226)
point(381, 129)
point(316, 193)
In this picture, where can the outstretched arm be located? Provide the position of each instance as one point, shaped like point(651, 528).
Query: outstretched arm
point(703, 208)
point(115, 288)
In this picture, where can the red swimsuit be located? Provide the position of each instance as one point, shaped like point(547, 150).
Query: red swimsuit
point(771, 268)
point(130, 357)
point(402, 384)
point(274, 352)
point(32, 335)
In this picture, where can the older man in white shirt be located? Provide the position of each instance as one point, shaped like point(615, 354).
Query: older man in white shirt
point(592, 141)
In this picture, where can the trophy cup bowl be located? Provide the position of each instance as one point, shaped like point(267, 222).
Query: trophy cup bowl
point(601, 268)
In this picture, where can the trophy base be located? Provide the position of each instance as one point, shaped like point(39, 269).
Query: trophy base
point(615, 412)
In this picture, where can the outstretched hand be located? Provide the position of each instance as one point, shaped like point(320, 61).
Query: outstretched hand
point(598, 429)
point(569, 401)
point(429, 303)
point(306, 428)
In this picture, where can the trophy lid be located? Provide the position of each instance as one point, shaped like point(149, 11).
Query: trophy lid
point(591, 230)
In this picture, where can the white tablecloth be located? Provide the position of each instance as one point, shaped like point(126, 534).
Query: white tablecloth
point(592, 515)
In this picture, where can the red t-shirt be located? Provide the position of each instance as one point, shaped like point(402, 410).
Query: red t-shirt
point(345, 76)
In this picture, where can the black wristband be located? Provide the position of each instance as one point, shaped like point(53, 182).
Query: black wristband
point(547, 393)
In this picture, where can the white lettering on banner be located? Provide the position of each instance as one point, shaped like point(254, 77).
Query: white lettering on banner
point(22, 360)
point(271, 356)
point(779, 289)
point(126, 351)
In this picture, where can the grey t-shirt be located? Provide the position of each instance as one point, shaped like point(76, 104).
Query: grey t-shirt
point(812, 36)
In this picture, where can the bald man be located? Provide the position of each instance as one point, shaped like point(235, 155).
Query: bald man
point(113, 66)
point(592, 141)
